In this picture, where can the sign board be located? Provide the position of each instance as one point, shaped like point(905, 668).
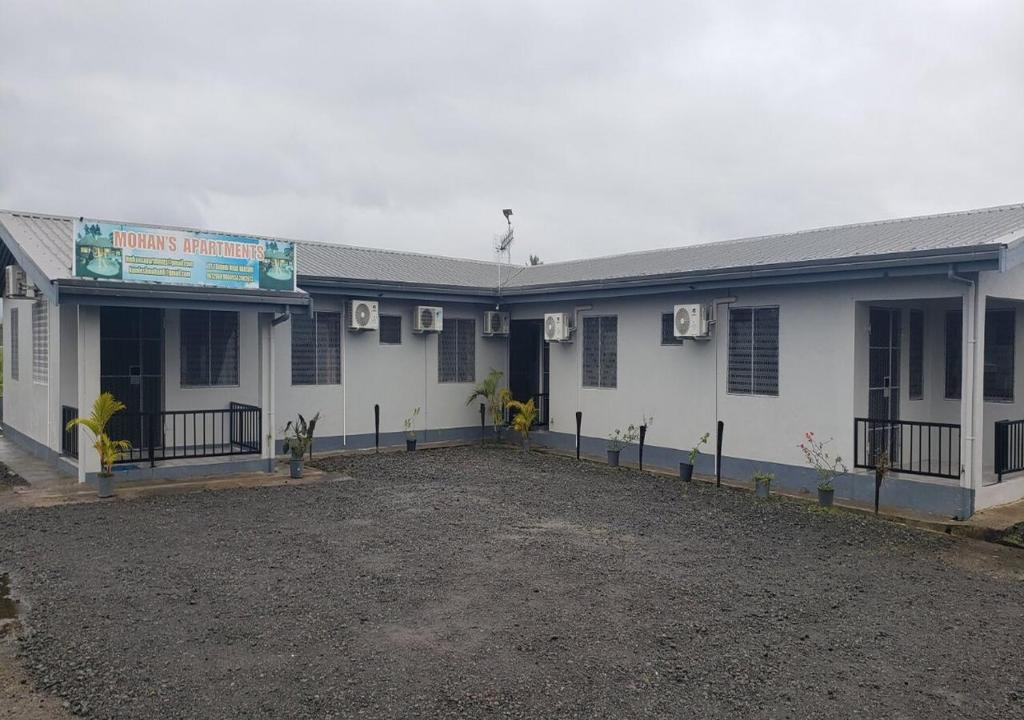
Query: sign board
point(135, 253)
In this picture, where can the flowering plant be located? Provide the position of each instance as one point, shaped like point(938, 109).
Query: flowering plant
point(828, 466)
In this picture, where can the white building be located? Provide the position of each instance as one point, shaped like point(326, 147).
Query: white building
point(901, 334)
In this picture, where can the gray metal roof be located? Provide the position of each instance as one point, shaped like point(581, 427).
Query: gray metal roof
point(908, 236)
point(46, 240)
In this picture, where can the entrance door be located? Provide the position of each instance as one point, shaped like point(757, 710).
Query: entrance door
point(131, 366)
point(525, 377)
point(884, 382)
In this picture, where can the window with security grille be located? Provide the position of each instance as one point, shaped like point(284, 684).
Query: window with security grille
point(754, 351)
point(668, 330)
point(916, 355)
point(40, 341)
point(390, 332)
point(600, 351)
point(316, 349)
point(209, 348)
point(14, 344)
point(456, 351)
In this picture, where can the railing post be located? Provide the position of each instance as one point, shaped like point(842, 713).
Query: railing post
point(150, 442)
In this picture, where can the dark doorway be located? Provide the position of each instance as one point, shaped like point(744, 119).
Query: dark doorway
point(131, 366)
point(528, 365)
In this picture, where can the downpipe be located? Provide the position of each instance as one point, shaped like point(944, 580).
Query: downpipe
point(970, 371)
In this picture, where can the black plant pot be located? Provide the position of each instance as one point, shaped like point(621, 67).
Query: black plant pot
point(613, 458)
point(685, 471)
point(105, 486)
point(762, 490)
point(825, 497)
point(410, 445)
point(295, 468)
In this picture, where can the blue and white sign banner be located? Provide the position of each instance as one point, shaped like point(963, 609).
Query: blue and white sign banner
point(136, 253)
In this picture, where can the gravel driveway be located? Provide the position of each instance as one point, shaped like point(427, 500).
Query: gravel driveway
point(485, 583)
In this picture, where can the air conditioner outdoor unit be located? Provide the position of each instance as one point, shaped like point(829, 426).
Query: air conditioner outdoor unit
point(15, 282)
point(690, 321)
point(495, 323)
point(363, 315)
point(428, 319)
point(557, 327)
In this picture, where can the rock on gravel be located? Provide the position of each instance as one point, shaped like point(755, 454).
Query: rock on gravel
point(487, 583)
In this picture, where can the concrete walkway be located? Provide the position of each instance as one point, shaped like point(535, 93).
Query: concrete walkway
point(47, 486)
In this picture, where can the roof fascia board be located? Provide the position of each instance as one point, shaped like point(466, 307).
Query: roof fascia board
point(88, 293)
point(427, 293)
point(32, 270)
point(613, 291)
point(168, 304)
point(1013, 251)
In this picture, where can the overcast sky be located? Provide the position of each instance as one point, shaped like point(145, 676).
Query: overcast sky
point(606, 126)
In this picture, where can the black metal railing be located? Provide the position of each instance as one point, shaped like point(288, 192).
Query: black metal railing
point(181, 434)
point(1009, 447)
point(69, 438)
point(913, 447)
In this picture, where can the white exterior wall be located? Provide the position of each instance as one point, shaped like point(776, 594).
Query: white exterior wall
point(33, 408)
point(822, 370)
point(397, 377)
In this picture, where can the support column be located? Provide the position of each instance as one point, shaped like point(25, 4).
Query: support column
point(88, 383)
point(266, 382)
point(972, 396)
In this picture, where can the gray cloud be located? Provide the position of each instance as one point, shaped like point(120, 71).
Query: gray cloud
point(607, 126)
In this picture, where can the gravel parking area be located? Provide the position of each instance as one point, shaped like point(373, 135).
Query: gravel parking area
point(472, 582)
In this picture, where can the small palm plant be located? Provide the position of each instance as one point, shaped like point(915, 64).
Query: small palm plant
point(496, 397)
point(108, 450)
point(299, 441)
point(524, 418)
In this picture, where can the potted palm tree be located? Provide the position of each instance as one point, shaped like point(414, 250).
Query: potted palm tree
point(410, 430)
point(495, 396)
point(299, 441)
point(829, 467)
point(523, 419)
point(108, 450)
point(686, 468)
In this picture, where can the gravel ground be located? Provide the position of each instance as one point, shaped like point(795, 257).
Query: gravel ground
point(487, 583)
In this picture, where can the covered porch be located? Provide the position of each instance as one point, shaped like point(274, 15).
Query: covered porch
point(936, 395)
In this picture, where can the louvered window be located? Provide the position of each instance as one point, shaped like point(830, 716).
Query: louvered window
point(916, 355)
point(754, 351)
point(600, 351)
point(14, 343)
point(209, 348)
point(316, 349)
point(668, 330)
point(390, 330)
point(456, 351)
point(40, 341)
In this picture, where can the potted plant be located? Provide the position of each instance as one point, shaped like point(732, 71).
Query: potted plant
point(299, 441)
point(686, 468)
point(495, 396)
point(523, 419)
point(762, 483)
point(825, 464)
point(109, 451)
point(619, 440)
point(410, 431)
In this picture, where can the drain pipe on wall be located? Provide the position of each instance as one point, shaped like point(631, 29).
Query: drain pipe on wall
point(968, 417)
point(715, 302)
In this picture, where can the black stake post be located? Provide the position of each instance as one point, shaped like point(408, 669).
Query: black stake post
point(718, 454)
point(878, 488)
point(376, 428)
point(579, 424)
point(643, 434)
point(483, 425)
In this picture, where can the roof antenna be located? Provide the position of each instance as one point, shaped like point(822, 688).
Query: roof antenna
point(503, 245)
